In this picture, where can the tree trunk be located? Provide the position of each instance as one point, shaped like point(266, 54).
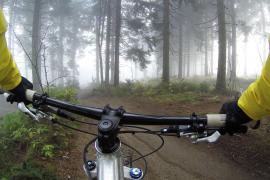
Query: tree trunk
point(245, 55)
point(180, 60)
point(229, 58)
point(97, 32)
point(144, 73)
point(166, 42)
point(112, 60)
point(113, 26)
point(117, 42)
point(11, 24)
point(136, 67)
point(180, 43)
point(101, 24)
point(206, 54)
point(264, 34)
point(73, 54)
point(188, 55)
point(112, 56)
point(221, 74)
point(36, 63)
point(26, 66)
point(233, 65)
point(212, 53)
point(53, 68)
point(61, 50)
point(108, 38)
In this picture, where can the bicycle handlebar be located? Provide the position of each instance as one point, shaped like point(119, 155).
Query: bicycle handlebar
point(210, 120)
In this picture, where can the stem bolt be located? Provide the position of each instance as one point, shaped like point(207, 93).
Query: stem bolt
point(91, 165)
point(135, 173)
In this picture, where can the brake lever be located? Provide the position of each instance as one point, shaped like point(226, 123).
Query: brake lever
point(24, 109)
point(210, 139)
point(187, 131)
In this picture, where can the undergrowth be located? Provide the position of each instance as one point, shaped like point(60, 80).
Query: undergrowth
point(23, 142)
point(65, 93)
point(175, 91)
point(28, 148)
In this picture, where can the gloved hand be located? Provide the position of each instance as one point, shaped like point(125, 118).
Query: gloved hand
point(18, 93)
point(236, 118)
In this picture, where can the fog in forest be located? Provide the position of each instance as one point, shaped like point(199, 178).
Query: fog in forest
point(79, 42)
point(116, 80)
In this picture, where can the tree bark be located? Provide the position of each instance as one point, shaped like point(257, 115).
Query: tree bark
point(112, 60)
point(166, 42)
point(245, 55)
point(188, 55)
point(26, 66)
point(108, 38)
point(264, 36)
point(221, 74)
point(233, 65)
point(206, 55)
point(73, 54)
point(101, 24)
point(61, 49)
point(180, 43)
point(117, 42)
point(53, 67)
point(11, 25)
point(212, 53)
point(97, 32)
point(229, 58)
point(36, 43)
point(113, 26)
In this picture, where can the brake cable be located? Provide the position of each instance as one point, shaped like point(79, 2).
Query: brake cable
point(75, 129)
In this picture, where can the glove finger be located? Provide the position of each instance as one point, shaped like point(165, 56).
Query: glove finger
point(222, 131)
point(11, 99)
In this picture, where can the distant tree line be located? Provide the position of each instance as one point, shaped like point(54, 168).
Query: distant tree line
point(180, 34)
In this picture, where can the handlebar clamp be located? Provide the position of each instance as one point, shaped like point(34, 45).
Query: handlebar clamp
point(38, 102)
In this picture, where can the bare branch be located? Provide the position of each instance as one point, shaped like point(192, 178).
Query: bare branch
point(29, 58)
point(206, 22)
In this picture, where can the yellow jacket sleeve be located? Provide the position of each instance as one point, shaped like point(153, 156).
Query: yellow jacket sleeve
point(255, 101)
point(9, 73)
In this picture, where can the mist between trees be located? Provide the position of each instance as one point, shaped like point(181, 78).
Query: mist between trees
point(161, 39)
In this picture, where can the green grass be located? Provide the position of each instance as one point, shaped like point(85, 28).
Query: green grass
point(183, 97)
point(65, 93)
point(28, 148)
point(176, 91)
point(29, 170)
point(184, 90)
point(23, 142)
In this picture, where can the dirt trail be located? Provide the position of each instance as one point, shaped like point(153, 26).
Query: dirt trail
point(179, 158)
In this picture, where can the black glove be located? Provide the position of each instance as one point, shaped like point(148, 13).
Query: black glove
point(236, 118)
point(18, 93)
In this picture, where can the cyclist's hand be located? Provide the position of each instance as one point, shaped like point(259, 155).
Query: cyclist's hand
point(19, 92)
point(236, 118)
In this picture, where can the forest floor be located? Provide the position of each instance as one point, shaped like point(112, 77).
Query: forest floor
point(238, 157)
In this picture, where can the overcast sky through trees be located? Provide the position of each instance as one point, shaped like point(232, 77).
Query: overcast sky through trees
point(75, 33)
